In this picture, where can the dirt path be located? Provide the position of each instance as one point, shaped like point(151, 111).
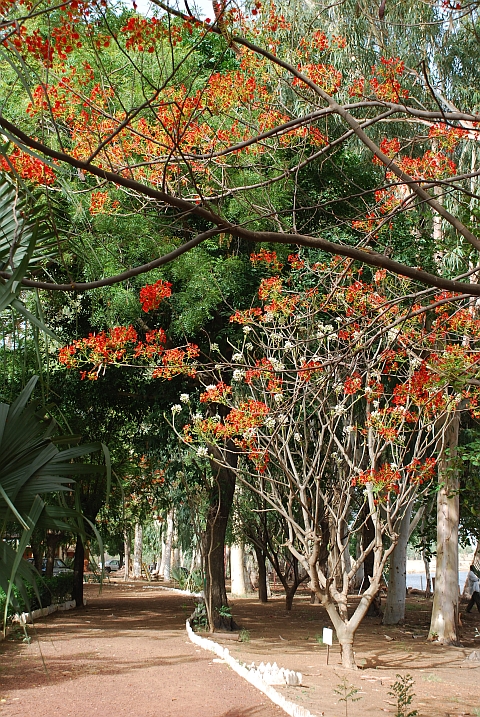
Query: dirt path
point(125, 655)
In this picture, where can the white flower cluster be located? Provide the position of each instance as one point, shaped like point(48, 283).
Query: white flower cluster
point(268, 317)
point(249, 346)
point(297, 437)
point(247, 329)
point(197, 417)
point(214, 347)
point(270, 422)
point(288, 345)
point(184, 398)
point(250, 433)
point(202, 452)
point(176, 408)
point(238, 375)
point(278, 397)
point(339, 410)
point(324, 330)
point(349, 429)
point(282, 419)
point(237, 357)
point(276, 364)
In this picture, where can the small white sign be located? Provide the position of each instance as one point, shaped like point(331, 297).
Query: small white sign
point(327, 636)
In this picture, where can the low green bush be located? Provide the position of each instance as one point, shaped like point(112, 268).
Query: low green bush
point(51, 591)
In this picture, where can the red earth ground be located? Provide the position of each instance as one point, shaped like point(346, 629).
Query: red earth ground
point(127, 655)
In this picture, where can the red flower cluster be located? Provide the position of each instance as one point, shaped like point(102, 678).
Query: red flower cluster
point(28, 167)
point(216, 394)
point(386, 83)
point(153, 294)
point(267, 257)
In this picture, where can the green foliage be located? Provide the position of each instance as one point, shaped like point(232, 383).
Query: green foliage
point(244, 635)
point(402, 692)
point(199, 619)
point(346, 693)
point(48, 591)
point(224, 611)
point(33, 469)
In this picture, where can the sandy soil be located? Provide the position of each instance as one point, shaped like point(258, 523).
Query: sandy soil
point(446, 684)
point(127, 655)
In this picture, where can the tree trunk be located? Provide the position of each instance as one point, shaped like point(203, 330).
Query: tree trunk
point(221, 500)
point(397, 584)
point(443, 625)
point(428, 577)
point(37, 555)
point(368, 534)
point(78, 564)
point(137, 552)
point(167, 553)
point(262, 574)
point(52, 541)
point(237, 570)
point(126, 539)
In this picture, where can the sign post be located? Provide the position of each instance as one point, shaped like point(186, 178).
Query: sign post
point(328, 639)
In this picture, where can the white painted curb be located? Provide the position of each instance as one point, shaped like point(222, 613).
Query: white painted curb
point(173, 590)
point(251, 676)
point(27, 618)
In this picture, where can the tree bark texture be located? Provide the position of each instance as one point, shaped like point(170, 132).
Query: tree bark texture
point(52, 541)
point(237, 569)
point(397, 583)
point(444, 620)
point(78, 563)
point(126, 538)
point(221, 500)
point(167, 553)
point(137, 552)
point(262, 574)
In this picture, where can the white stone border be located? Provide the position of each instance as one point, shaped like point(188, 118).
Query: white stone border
point(289, 707)
point(173, 590)
point(27, 618)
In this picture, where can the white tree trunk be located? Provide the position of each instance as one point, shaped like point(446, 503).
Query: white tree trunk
point(126, 549)
point(443, 625)
point(168, 547)
point(161, 561)
point(397, 583)
point(137, 552)
point(237, 559)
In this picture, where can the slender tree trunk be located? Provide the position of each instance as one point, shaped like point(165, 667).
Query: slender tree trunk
point(221, 500)
point(428, 577)
point(37, 555)
point(397, 584)
point(78, 564)
point(137, 552)
point(126, 542)
point(167, 553)
point(262, 574)
point(443, 625)
point(52, 541)
point(237, 569)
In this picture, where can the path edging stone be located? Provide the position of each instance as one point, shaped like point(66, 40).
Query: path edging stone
point(251, 676)
point(26, 618)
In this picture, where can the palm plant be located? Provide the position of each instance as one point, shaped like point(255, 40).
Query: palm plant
point(35, 476)
point(26, 242)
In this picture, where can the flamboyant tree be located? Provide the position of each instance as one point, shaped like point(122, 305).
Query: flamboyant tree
point(113, 105)
point(338, 409)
